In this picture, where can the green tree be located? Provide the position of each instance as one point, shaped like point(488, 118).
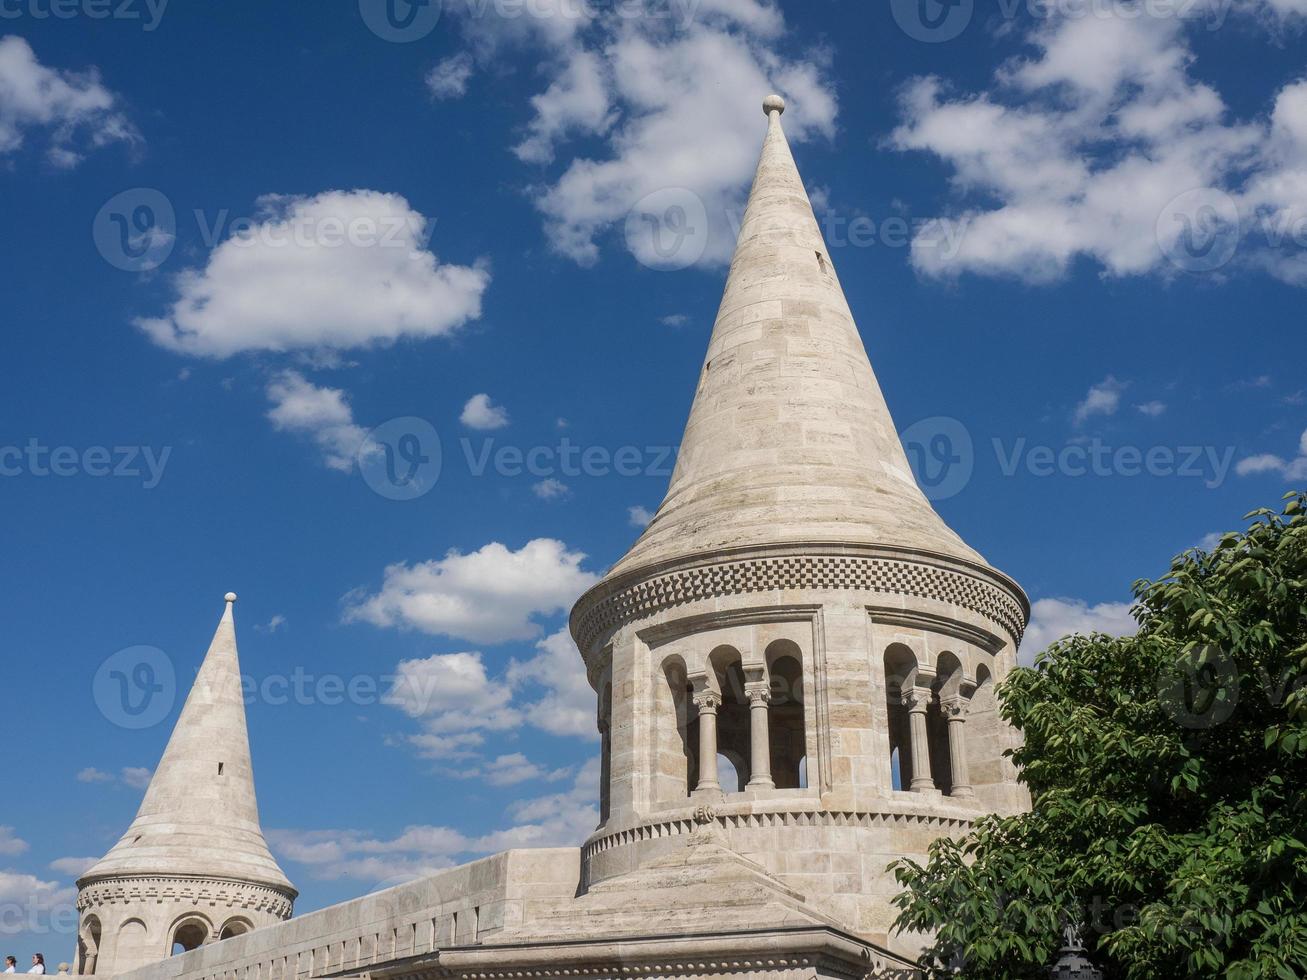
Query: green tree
point(1168, 773)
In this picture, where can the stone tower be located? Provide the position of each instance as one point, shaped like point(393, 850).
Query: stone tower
point(193, 867)
point(798, 655)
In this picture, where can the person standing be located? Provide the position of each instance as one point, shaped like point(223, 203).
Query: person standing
point(38, 963)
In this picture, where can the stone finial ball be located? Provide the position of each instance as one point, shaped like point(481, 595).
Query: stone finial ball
point(230, 597)
point(773, 103)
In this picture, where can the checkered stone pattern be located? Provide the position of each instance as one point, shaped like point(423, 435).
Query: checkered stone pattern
point(832, 572)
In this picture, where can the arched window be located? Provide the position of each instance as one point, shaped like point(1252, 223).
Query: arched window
point(900, 676)
point(785, 716)
point(88, 945)
point(947, 688)
point(605, 752)
point(235, 927)
point(729, 767)
point(189, 934)
point(677, 762)
point(984, 742)
point(732, 716)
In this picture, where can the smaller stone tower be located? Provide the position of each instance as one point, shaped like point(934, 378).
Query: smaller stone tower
point(193, 868)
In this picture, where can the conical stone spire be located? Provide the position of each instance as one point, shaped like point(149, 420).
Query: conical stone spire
point(199, 817)
point(789, 440)
point(797, 608)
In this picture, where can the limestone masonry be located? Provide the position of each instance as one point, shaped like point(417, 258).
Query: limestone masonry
point(794, 668)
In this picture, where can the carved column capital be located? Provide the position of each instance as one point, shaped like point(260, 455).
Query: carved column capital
point(955, 708)
point(916, 699)
point(708, 702)
point(758, 692)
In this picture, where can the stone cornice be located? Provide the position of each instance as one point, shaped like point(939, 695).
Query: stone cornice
point(764, 952)
point(680, 826)
point(911, 618)
point(180, 888)
point(636, 595)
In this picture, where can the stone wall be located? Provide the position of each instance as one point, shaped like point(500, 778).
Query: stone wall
point(461, 906)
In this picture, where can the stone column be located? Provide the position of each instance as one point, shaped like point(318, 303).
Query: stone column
point(955, 712)
point(708, 702)
point(759, 695)
point(917, 701)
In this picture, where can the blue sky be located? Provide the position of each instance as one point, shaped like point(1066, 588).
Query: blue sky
point(1074, 236)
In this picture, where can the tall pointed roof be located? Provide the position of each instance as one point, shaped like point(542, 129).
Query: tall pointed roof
point(199, 816)
point(789, 439)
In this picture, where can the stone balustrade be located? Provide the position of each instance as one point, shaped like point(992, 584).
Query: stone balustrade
point(455, 908)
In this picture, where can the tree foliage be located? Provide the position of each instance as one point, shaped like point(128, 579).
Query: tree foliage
point(1168, 773)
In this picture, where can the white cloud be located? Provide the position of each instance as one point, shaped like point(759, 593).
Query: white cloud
point(1052, 619)
point(551, 489)
point(446, 748)
point(10, 843)
point(491, 595)
point(329, 855)
point(76, 110)
point(1277, 193)
point(322, 414)
point(552, 23)
point(272, 625)
point(678, 130)
point(1289, 469)
point(338, 270)
point(455, 699)
point(510, 770)
point(137, 777)
point(1152, 409)
point(482, 414)
point(639, 516)
point(73, 867)
point(559, 819)
point(44, 906)
point(1103, 398)
point(453, 693)
point(449, 78)
point(675, 320)
point(1081, 151)
point(672, 97)
point(576, 101)
point(566, 704)
point(1265, 463)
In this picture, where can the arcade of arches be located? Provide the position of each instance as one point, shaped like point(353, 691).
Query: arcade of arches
point(927, 711)
point(741, 726)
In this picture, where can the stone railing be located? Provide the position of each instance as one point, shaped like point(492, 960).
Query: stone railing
point(458, 907)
